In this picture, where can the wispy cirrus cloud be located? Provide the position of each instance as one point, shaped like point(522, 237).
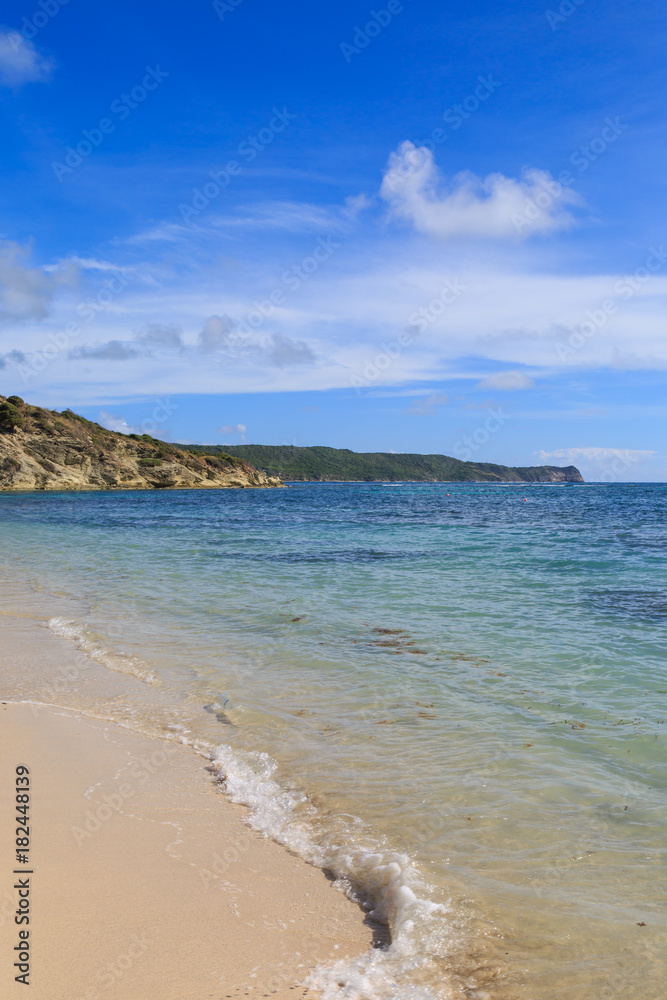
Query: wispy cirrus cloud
point(290, 216)
point(595, 454)
point(20, 62)
point(508, 381)
point(428, 405)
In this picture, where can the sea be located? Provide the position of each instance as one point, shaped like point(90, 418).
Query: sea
point(452, 697)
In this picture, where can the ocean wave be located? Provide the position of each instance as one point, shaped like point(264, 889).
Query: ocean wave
point(422, 942)
point(331, 556)
point(85, 640)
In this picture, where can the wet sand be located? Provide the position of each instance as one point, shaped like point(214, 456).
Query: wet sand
point(145, 881)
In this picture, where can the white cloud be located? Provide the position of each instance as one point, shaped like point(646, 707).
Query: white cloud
point(91, 264)
point(115, 423)
point(27, 292)
point(287, 215)
point(602, 465)
point(215, 334)
point(113, 350)
point(596, 454)
point(509, 381)
point(234, 430)
point(11, 358)
point(495, 207)
point(284, 352)
point(512, 313)
point(160, 335)
point(20, 62)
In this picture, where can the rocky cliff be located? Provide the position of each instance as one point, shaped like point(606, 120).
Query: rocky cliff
point(46, 450)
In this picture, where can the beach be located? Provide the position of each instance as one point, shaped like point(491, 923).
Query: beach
point(144, 881)
point(446, 698)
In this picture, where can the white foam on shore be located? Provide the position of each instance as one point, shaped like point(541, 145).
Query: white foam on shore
point(85, 640)
point(387, 884)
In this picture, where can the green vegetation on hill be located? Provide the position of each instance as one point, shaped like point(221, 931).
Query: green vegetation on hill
point(341, 465)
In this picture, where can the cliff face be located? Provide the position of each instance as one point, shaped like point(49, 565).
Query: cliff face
point(536, 473)
point(45, 450)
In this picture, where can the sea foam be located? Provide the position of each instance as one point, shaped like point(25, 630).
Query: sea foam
point(387, 885)
point(87, 642)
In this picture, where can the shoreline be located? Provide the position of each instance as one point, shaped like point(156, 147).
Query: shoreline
point(133, 839)
point(147, 879)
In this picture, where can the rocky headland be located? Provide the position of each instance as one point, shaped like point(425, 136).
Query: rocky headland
point(45, 450)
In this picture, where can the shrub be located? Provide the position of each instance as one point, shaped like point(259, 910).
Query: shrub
point(15, 400)
point(10, 416)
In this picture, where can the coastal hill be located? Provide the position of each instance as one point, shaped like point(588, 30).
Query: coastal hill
point(46, 450)
point(341, 465)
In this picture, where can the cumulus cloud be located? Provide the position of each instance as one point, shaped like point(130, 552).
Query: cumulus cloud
point(27, 292)
point(115, 423)
point(507, 381)
point(19, 60)
point(113, 350)
point(12, 358)
point(160, 335)
point(283, 351)
point(234, 430)
point(215, 334)
point(493, 207)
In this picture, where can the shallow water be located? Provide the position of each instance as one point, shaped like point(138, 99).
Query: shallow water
point(449, 695)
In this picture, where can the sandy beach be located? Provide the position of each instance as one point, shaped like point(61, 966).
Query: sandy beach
point(144, 880)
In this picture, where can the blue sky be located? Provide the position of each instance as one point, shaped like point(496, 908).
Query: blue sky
point(407, 227)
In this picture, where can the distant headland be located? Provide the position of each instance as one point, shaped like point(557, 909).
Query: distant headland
point(320, 464)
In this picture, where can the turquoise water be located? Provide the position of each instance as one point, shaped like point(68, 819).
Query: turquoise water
point(451, 696)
